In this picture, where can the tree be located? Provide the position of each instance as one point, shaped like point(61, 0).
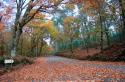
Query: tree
point(41, 30)
point(23, 16)
point(71, 29)
point(122, 13)
point(1, 37)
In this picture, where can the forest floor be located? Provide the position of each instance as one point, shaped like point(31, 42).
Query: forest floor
point(58, 69)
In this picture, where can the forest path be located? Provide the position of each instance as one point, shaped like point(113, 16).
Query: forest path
point(58, 69)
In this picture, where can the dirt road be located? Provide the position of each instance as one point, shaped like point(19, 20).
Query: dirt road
point(63, 69)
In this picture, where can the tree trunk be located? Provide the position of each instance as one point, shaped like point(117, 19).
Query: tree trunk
point(101, 27)
point(87, 38)
point(15, 40)
point(71, 45)
point(21, 46)
point(86, 45)
point(121, 3)
point(32, 45)
point(37, 46)
point(101, 43)
point(107, 34)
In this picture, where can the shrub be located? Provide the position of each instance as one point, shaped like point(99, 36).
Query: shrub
point(103, 57)
point(2, 60)
point(98, 57)
point(22, 60)
point(17, 60)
